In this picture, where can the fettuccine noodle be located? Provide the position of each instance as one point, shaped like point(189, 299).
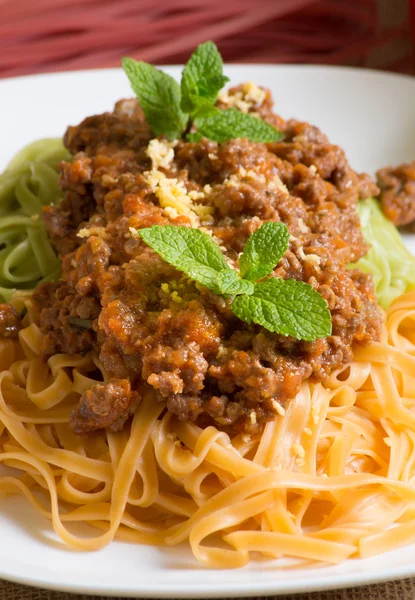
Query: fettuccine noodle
point(331, 479)
point(29, 182)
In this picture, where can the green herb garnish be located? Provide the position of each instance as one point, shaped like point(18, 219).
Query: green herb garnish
point(284, 306)
point(231, 284)
point(174, 110)
point(159, 97)
point(263, 250)
point(79, 323)
point(222, 125)
point(189, 250)
point(288, 307)
point(202, 78)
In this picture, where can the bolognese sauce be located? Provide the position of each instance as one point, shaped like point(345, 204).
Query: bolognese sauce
point(151, 325)
point(397, 197)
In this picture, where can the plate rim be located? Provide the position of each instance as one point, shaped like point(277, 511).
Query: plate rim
point(237, 65)
point(222, 590)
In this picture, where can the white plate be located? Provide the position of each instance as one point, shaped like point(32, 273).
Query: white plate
point(372, 116)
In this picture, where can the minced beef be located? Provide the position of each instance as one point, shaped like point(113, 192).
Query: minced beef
point(397, 196)
point(150, 325)
point(10, 321)
point(61, 303)
point(105, 406)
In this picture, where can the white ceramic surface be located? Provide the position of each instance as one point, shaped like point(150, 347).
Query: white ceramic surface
point(372, 116)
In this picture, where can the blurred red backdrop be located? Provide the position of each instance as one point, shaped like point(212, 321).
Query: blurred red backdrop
point(52, 35)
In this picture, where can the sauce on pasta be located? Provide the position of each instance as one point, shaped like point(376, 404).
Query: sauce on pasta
point(132, 400)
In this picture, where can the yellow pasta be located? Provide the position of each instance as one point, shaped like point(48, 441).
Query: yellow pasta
point(331, 479)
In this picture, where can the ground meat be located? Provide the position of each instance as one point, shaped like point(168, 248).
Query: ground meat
point(105, 406)
point(397, 196)
point(150, 325)
point(124, 128)
point(59, 303)
point(63, 222)
point(10, 323)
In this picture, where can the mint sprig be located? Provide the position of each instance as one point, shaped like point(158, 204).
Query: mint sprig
point(287, 307)
point(263, 250)
point(174, 110)
point(230, 123)
point(230, 283)
point(159, 97)
point(189, 250)
point(202, 78)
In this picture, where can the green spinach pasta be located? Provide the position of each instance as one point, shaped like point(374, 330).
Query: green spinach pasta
point(29, 182)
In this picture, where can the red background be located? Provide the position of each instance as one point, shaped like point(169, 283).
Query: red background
point(52, 35)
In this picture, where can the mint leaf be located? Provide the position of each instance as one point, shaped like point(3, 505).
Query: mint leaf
point(230, 283)
point(205, 110)
point(263, 250)
point(189, 250)
point(202, 77)
point(288, 307)
point(224, 125)
point(159, 97)
point(194, 137)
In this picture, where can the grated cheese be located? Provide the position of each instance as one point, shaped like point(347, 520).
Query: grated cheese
point(161, 153)
point(195, 195)
point(234, 101)
point(172, 195)
point(244, 99)
point(300, 139)
point(280, 410)
point(298, 450)
point(260, 177)
point(275, 184)
point(232, 181)
point(176, 298)
point(253, 92)
point(311, 258)
point(221, 351)
point(171, 212)
point(87, 231)
point(315, 414)
point(236, 178)
point(84, 232)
